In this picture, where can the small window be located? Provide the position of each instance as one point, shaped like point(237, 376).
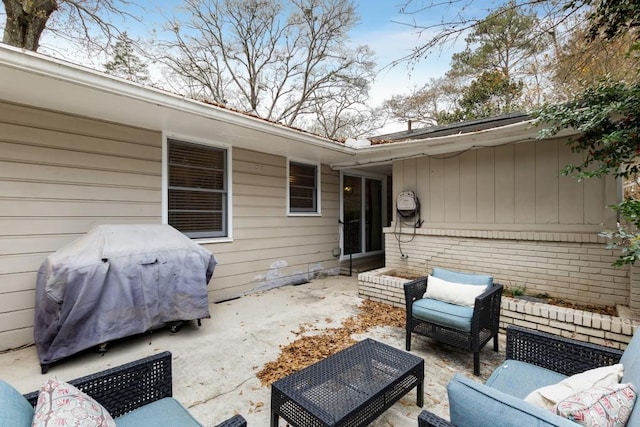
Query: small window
point(303, 188)
point(197, 189)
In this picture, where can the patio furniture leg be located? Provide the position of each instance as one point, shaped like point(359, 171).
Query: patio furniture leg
point(495, 343)
point(408, 341)
point(476, 363)
point(274, 419)
point(420, 394)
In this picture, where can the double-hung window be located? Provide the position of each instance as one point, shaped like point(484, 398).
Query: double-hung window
point(197, 189)
point(304, 188)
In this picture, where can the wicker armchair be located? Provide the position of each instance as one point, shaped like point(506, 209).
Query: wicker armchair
point(124, 388)
point(484, 321)
point(562, 355)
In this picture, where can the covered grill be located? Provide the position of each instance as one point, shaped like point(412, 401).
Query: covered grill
point(117, 281)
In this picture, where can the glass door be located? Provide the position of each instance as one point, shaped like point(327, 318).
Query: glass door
point(373, 214)
point(352, 214)
point(362, 213)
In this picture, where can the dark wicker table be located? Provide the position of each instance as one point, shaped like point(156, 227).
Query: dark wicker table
point(350, 388)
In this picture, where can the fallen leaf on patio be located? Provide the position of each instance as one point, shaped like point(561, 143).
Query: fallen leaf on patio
point(309, 349)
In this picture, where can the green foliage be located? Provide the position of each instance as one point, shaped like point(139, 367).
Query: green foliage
point(612, 18)
point(491, 94)
point(500, 42)
point(518, 290)
point(487, 78)
point(627, 241)
point(125, 63)
point(608, 119)
point(498, 55)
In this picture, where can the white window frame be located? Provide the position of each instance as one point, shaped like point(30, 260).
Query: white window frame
point(229, 174)
point(318, 167)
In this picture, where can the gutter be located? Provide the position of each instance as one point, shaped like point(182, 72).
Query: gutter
point(56, 69)
point(452, 145)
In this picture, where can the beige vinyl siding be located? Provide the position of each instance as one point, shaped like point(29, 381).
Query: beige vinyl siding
point(59, 176)
point(269, 247)
point(514, 187)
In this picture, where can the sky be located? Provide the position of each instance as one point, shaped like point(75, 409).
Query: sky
point(391, 41)
point(388, 39)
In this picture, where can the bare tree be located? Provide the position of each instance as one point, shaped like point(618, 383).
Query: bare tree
point(342, 111)
point(429, 105)
point(26, 20)
point(463, 16)
point(278, 60)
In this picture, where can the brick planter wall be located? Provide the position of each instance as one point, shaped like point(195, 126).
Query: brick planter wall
point(572, 266)
point(381, 285)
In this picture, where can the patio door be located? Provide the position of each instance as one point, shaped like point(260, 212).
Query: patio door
point(362, 214)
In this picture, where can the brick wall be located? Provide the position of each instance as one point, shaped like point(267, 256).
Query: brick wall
point(577, 324)
point(381, 285)
point(573, 266)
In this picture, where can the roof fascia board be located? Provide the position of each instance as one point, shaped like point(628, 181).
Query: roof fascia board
point(56, 69)
point(384, 153)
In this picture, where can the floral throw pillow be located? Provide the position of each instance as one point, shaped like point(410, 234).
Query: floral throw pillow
point(61, 404)
point(608, 406)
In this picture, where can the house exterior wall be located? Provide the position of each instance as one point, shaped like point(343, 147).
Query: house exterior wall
point(60, 175)
point(271, 248)
point(507, 211)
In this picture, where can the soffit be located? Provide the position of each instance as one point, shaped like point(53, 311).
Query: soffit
point(32, 79)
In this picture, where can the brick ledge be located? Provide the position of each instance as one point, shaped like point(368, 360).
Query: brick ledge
point(546, 236)
point(380, 285)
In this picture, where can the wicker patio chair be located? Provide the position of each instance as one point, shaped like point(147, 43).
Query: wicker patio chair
point(551, 352)
point(124, 388)
point(484, 323)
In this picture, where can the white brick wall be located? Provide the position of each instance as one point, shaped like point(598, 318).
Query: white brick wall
point(380, 285)
point(573, 266)
point(582, 325)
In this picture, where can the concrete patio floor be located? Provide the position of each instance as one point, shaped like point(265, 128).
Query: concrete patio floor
point(215, 366)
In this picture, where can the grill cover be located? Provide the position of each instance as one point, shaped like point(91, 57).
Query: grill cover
point(117, 281)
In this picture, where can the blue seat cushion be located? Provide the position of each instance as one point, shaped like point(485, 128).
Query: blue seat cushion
point(474, 404)
point(15, 410)
point(464, 278)
point(518, 378)
point(166, 412)
point(442, 313)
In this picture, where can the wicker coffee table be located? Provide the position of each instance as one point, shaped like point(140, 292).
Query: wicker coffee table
point(350, 388)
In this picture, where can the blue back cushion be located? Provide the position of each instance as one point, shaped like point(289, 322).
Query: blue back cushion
point(632, 352)
point(464, 278)
point(15, 410)
point(631, 362)
point(518, 379)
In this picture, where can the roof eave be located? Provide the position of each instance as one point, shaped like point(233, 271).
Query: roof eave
point(509, 134)
point(36, 80)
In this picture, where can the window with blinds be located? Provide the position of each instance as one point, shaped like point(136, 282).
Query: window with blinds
point(303, 188)
point(197, 199)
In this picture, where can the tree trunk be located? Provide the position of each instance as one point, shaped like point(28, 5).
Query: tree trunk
point(26, 19)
